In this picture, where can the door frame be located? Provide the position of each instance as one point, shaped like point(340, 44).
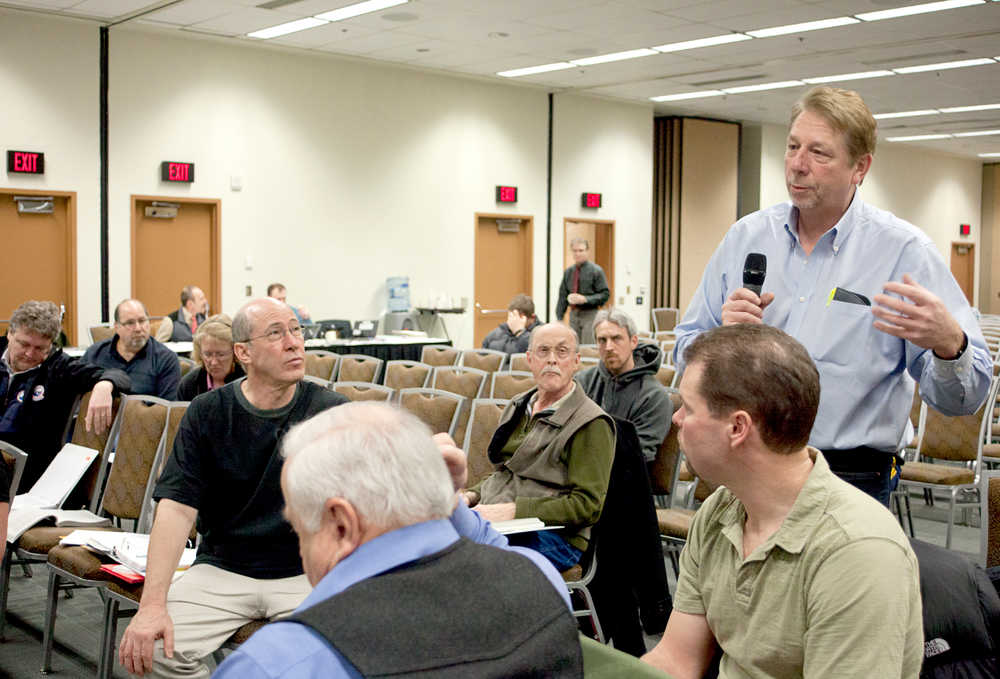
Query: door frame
point(609, 272)
point(72, 308)
point(972, 265)
point(529, 225)
point(215, 301)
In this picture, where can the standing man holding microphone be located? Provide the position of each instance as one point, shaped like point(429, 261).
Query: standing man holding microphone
point(867, 293)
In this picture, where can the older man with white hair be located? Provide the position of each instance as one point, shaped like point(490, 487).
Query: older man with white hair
point(399, 587)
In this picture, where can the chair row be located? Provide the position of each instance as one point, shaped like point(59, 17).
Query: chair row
point(466, 382)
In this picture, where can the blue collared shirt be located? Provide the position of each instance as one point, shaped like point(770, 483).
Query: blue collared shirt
point(293, 651)
point(866, 375)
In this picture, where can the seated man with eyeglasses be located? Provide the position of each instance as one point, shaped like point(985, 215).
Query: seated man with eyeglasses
point(552, 454)
point(225, 471)
point(152, 367)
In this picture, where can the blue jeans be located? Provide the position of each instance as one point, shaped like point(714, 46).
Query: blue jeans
point(549, 544)
point(873, 471)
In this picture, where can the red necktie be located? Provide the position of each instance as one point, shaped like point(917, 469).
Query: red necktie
point(576, 282)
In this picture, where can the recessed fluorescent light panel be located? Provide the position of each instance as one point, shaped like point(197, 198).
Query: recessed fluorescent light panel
point(702, 42)
point(944, 66)
point(689, 95)
point(359, 9)
point(978, 133)
point(285, 29)
point(966, 109)
point(847, 76)
point(917, 9)
point(802, 28)
point(989, 155)
point(532, 70)
point(763, 86)
point(617, 56)
point(905, 114)
point(920, 137)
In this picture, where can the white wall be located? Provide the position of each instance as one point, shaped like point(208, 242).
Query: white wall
point(934, 191)
point(606, 147)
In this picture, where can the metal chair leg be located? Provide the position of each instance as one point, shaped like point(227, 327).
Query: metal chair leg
point(51, 603)
point(105, 658)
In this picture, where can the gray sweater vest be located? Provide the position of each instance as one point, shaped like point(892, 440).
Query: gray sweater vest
point(469, 610)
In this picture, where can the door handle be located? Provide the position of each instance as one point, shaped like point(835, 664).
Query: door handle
point(489, 311)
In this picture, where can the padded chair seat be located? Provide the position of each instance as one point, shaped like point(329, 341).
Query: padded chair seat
point(674, 523)
point(573, 574)
point(991, 450)
point(79, 561)
point(122, 588)
point(946, 474)
point(41, 539)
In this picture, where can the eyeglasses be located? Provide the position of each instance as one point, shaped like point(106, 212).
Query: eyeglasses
point(133, 322)
point(216, 355)
point(278, 332)
point(562, 352)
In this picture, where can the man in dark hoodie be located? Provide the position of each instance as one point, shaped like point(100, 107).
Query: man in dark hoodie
point(514, 336)
point(624, 383)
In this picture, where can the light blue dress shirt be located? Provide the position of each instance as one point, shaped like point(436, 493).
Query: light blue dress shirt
point(866, 375)
point(293, 651)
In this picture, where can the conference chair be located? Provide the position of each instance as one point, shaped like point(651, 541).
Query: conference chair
point(407, 374)
point(489, 360)
point(588, 362)
point(154, 324)
point(578, 579)
point(186, 365)
point(467, 382)
point(589, 351)
point(141, 439)
point(519, 362)
point(317, 380)
point(101, 332)
point(437, 408)
point(665, 318)
point(957, 444)
point(989, 494)
point(15, 459)
point(674, 521)
point(667, 375)
point(363, 391)
point(439, 354)
point(483, 421)
point(509, 383)
point(322, 364)
point(663, 468)
point(358, 368)
point(34, 545)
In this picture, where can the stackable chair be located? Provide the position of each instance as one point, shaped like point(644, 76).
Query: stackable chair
point(322, 364)
point(363, 391)
point(489, 360)
point(665, 318)
point(437, 408)
point(407, 374)
point(186, 365)
point(359, 368)
point(483, 420)
point(989, 494)
point(317, 380)
point(438, 354)
point(141, 435)
point(101, 332)
point(15, 459)
point(519, 363)
point(578, 579)
point(33, 547)
point(509, 383)
point(469, 383)
point(589, 351)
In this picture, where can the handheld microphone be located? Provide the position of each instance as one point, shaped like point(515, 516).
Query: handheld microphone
point(754, 269)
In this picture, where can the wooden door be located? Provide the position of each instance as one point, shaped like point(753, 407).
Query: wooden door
point(600, 233)
point(39, 259)
point(963, 266)
point(168, 254)
point(503, 268)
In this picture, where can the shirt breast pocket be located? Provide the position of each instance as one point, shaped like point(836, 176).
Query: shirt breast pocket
point(843, 333)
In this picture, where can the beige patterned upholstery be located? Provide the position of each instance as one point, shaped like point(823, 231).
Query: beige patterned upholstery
point(437, 409)
point(186, 365)
point(589, 351)
point(437, 354)
point(665, 375)
point(519, 362)
point(363, 391)
point(991, 520)
point(664, 318)
point(482, 424)
point(141, 430)
point(467, 382)
point(674, 523)
point(509, 384)
point(406, 374)
point(321, 364)
point(483, 359)
point(90, 439)
point(358, 368)
point(664, 465)
point(99, 333)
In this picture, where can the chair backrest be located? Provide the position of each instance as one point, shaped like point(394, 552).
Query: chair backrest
point(509, 383)
point(587, 362)
point(489, 360)
point(99, 333)
point(15, 459)
point(363, 391)
point(960, 438)
point(359, 368)
point(439, 354)
point(519, 362)
point(175, 413)
point(483, 421)
point(87, 485)
point(667, 349)
point(438, 409)
point(665, 318)
point(186, 364)
point(989, 495)
point(154, 324)
point(663, 471)
point(141, 433)
point(407, 374)
point(666, 375)
point(589, 351)
point(322, 364)
point(467, 382)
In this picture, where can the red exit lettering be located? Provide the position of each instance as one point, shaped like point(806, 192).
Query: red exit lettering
point(178, 172)
point(25, 162)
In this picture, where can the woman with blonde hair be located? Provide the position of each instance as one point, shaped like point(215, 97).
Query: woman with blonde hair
point(213, 352)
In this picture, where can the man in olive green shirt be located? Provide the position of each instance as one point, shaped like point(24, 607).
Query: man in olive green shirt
point(552, 452)
point(789, 570)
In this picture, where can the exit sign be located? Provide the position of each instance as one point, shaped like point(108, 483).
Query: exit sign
point(590, 200)
point(176, 172)
point(25, 162)
point(965, 229)
point(506, 194)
